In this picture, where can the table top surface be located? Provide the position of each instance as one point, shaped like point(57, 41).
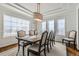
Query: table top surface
point(30, 38)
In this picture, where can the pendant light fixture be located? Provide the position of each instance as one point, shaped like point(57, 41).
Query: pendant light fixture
point(37, 15)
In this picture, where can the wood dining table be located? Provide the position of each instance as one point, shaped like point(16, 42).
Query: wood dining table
point(30, 40)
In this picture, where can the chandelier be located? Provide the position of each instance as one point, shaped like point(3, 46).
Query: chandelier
point(37, 15)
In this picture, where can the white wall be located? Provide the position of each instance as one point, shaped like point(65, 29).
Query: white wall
point(77, 25)
point(8, 40)
point(70, 21)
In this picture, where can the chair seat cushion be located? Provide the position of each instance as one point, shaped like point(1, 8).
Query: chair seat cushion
point(35, 47)
point(68, 39)
point(37, 43)
point(22, 43)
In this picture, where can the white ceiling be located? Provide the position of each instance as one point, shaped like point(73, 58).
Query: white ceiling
point(45, 8)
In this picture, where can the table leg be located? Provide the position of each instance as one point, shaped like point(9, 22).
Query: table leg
point(23, 51)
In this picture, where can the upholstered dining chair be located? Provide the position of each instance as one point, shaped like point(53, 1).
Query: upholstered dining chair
point(38, 48)
point(48, 41)
point(31, 32)
point(35, 32)
point(22, 44)
point(71, 38)
point(52, 38)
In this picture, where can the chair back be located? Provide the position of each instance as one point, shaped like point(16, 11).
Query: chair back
point(21, 33)
point(49, 37)
point(72, 34)
point(31, 32)
point(43, 39)
point(35, 32)
point(52, 36)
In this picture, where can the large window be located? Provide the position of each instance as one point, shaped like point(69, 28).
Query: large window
point(43, 26)
point(61, 27)
point(12, 25)
point(51, 25)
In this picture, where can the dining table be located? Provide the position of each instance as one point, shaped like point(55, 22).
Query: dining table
point(30, 40)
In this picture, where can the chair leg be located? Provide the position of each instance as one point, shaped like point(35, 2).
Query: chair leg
point(39, 54)
point(47, 47)
point(45, 52)
point(62, 40)
point(74, 46)
point(66, 49)
point(18, 50)
point(27, 52)
point(67, 53)
point(23, 51)
point(52, 42)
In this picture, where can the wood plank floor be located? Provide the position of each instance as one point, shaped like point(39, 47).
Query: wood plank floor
point(55, 51)
point(72, 52)
point(8, 47)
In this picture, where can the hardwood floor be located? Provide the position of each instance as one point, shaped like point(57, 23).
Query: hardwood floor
point(55, 50)
point(7, 47)
point(72, 52)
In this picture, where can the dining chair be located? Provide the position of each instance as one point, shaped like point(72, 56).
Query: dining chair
point(38, 48)
point(48, 41)
point(35, 32)
point(71, 38)
point(31, 32)
point(21, 43)
point(52, 38)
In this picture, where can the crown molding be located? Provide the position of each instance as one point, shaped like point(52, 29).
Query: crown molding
point(20, 9)
point(62, 10)
point(47, 12)
point(23, 7)
point(28, 12)
point(56, 11)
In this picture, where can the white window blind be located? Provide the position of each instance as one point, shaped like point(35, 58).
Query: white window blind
point(61, 27)
point(51, 25)
point(43, 26)
point(13, 24)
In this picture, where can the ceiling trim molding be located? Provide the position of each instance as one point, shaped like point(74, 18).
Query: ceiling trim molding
point(55, 13)
point(52, 10)
point(45, 14)
point(23, 7)
point(12, 5)
point(58, 11)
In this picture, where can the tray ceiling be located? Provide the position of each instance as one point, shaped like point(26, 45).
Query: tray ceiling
point(45, 8)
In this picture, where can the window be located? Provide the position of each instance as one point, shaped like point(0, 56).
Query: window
point(61, 27)
point(12, 25)
point(43, 26)
point(51, 25)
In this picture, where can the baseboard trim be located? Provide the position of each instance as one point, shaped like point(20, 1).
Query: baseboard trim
point(7, 47)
